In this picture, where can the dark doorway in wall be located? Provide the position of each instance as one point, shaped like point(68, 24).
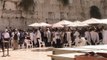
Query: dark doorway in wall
point(95, 12)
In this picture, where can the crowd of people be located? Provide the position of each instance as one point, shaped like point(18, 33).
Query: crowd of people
point(53, 37)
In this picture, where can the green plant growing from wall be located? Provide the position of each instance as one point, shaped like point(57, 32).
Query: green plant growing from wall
point(64, 2)
point(95, 12)
point(27, 5)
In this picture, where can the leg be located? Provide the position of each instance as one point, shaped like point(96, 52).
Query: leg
point(3, 49)
point(8, 49)
point(31, 44)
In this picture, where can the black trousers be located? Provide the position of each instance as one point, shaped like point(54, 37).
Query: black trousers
point(46, 41)
point(0, 43)
point(92, 42)
point(6, 43)
point(58, 43)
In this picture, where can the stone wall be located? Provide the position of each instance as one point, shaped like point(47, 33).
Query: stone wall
point(49, 11)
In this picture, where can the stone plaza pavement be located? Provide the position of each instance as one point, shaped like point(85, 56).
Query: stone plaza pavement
point(27, 54)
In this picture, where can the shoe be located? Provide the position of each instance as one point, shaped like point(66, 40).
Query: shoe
point(3, 55)
point(8, 55)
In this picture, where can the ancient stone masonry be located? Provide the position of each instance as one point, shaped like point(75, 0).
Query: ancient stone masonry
point(49, 11)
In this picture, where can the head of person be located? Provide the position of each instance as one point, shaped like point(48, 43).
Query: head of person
point(6, 30)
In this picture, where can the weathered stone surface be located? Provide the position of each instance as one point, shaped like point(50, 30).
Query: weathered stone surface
point(49, 11)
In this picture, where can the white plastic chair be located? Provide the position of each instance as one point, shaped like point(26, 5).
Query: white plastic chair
point(28, 43)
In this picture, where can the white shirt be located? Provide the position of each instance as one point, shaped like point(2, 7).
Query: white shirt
point(68, 36)
point(18, 34)
point(76, 34)
point(6, 35)
point(80, 41)
point(38, 35)
point(94, 36)
point(77, 41)
point(48, 33)
point(105, 36)
point(87, 35)
point(57, 35)
point(32, 36)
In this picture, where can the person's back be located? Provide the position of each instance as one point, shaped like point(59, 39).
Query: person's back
point(6, 42)
point(38, 35)
point(15, 41)
point(6, 35)
point(105, 37)
point(94, 37)
point(48, 35)
point(87, 35)
point(21, 37)
point(15, 36)
point(22, 34)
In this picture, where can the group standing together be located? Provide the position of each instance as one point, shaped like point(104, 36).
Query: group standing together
point(53, 37)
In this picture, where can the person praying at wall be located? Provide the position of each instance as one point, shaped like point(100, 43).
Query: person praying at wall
point(88, 36)
point(94, 36)
point(48, 35)
point(15, 40)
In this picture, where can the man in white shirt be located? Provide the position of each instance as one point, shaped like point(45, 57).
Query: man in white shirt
point(105, 36)
point(76, 35)
point(6, 35)
point(88, 37)
point(94, 37)
point(48, 35)
point(68, 37)
point(6, 42)
point(38, 37)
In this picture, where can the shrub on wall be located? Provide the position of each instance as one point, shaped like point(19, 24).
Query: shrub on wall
point(26, 5)
point(64, 2)
point(95, 12)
